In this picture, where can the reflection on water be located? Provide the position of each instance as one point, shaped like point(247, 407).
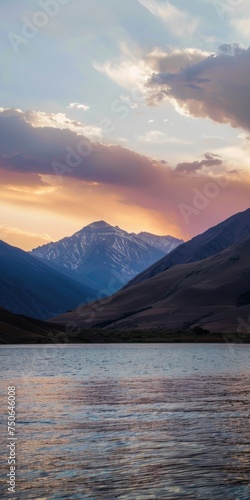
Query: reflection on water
point(166, 422)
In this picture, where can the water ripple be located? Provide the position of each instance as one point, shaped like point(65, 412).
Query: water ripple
point(131, 437)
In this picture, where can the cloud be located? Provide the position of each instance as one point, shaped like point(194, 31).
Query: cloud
point(234, 172)
point(77, 105)
point(30, 149)
point(180, 23)
point(111, 182)
point(127, 73)
point(244, 137)
point(174, 59)
point(216, 87)
point(133, 71)
point(158, 137)
point(195, 82)
point(53, 120)
point(210, 160)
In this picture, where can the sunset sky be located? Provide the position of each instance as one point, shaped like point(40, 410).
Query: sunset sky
point(135, 112)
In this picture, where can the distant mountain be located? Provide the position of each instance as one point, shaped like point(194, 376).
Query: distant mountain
point(106, 256)
point(213, 294)
point(164, 243)
point(234, 230)
point(29, 286)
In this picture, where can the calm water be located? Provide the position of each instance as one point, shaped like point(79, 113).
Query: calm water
point(129, 422)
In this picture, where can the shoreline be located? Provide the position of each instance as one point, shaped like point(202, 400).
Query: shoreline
point(119, 337)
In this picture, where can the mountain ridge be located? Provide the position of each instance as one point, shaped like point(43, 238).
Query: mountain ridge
point(105, 256)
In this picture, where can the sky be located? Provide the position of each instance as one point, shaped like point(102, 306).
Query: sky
point(135, 112)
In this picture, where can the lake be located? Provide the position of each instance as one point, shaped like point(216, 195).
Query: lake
point(162, 421)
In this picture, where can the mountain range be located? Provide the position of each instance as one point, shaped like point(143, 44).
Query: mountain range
point(59, 276)
point(210, 290)
point(105, 257)
point(164, 243)
point(203, 283)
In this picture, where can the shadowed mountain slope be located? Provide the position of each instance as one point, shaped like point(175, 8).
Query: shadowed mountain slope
point(22, 329)
point(234, 230)
point(213, 294)
point(30, 287)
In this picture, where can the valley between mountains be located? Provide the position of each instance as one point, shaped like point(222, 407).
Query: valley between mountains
point(103, 279)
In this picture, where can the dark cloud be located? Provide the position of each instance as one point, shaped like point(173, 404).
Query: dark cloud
point(110, 179)
point(37, 150)
point(216, 87)
point(210, 160)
